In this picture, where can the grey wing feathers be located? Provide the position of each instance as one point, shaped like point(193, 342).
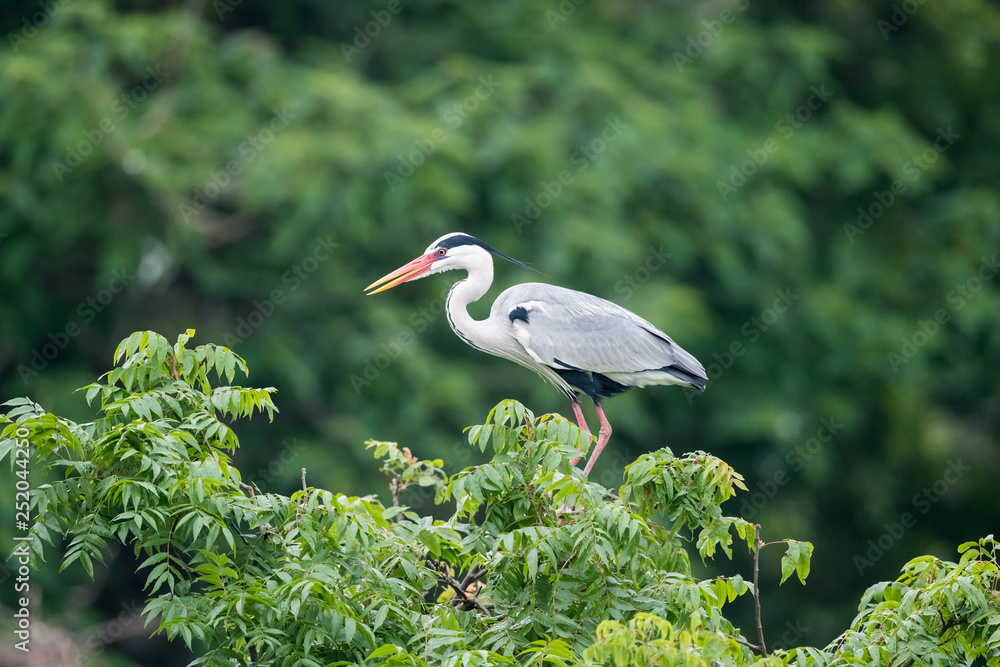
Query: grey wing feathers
point(567, 329)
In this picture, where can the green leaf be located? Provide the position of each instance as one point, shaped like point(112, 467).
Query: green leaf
point(380, 617)
point(796, 559)
point(532, 564)
point(431, 541)
point(385, 649)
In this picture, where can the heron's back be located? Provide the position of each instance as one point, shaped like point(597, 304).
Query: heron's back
point(567, 329)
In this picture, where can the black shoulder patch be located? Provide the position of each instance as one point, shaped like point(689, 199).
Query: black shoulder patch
point(456, 240)
point(519, 313)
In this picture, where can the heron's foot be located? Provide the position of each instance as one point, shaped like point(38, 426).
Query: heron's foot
point(602, 439)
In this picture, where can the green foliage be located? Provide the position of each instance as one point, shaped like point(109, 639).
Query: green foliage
point(797, 560)
point(537, 566)
point(937, 612)
point(648, 640)
point(405, 469)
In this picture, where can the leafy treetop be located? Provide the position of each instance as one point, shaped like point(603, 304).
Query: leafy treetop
point(537, 565)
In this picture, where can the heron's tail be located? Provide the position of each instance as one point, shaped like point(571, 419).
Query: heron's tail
point(686, 377)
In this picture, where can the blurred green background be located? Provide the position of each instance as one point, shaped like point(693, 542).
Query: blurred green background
point(804, 195)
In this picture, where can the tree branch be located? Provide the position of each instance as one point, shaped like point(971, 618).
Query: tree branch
point(461, 595)
point(394, 488)
point(945, 627)
point(760, 648)
point(474, 574)
point(451, 581)
point(756, 591)
point(744, 642)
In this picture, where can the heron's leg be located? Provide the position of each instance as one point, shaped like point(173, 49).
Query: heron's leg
point(580, 421)
point(602, 437)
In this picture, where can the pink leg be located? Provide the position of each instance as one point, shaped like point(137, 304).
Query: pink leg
point(581, 422)
point(602, 438)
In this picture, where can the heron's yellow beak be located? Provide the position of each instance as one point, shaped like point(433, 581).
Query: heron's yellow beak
point(414, 269)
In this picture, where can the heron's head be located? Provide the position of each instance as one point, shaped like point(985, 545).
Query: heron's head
point(451, 251)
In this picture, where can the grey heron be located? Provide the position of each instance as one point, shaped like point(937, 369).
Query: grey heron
point(576, 341)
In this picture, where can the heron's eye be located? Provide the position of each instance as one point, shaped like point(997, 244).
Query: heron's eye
point(442, 252)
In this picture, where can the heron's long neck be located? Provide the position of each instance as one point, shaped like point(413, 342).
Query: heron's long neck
point(474, 332)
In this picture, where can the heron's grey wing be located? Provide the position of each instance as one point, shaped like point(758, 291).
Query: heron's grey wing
point(567, 329)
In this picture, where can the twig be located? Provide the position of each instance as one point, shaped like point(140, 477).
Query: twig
point(758, 545)
point(396, 488)
point(461, 595)
point(476, 604)
point(744, 642)
point(474, 574)
point(446, 578)
point(756, 591)
point(248, 488)
point(304, 479)
point(955, 622)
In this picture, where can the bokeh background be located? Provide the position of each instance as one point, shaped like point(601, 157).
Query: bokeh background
point(803, 194)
